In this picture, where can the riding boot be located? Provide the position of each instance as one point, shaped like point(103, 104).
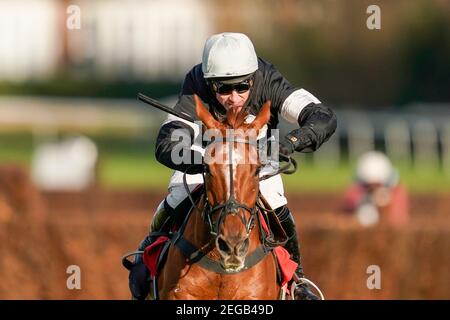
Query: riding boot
point(139, 277)
point(302, 291)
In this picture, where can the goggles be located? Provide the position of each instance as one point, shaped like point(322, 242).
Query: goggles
point(228, 88)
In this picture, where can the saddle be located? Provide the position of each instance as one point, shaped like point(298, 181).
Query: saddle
point(156, 253)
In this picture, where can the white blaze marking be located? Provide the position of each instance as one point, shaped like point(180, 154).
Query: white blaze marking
point(236, 158)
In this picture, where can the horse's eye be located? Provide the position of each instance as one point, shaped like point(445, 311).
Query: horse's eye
point(257, 171)
point(206, 169)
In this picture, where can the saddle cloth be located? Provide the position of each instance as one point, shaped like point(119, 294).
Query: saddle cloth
point(152, 255)
point(287, 266)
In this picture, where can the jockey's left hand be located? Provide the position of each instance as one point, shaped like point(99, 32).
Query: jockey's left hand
point(286, 147)
point(296, 140)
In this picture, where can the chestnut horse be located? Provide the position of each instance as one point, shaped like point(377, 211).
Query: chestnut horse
point(219, 254)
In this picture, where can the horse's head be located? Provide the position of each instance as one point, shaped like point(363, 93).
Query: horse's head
point(232, 180)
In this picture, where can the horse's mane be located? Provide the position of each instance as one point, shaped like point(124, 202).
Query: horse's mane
point(234, 118)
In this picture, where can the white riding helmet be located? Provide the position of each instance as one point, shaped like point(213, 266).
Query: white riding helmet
point(375, 167)
point(228, 55)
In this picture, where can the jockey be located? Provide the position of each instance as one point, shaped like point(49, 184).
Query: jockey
point(377, 195)
point(232, 76)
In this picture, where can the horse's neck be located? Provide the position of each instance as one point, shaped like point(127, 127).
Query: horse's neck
point(196, 230)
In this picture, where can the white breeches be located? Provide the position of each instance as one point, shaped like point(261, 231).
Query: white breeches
point(272, 189)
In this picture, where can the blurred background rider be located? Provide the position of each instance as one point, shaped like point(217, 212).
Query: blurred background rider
point(377, 194)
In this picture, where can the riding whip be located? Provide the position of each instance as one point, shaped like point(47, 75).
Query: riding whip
point(160, 106)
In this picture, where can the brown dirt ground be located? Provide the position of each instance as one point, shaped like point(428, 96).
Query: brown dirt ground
point(42, 234)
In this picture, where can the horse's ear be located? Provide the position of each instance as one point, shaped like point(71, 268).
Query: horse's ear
point(204, 115)
point(263, 116)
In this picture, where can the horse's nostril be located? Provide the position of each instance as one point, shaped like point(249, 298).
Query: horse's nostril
point(242, 247)
point(223, 246)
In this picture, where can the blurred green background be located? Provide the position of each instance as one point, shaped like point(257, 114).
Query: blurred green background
point(128, 162)
point(403, 70)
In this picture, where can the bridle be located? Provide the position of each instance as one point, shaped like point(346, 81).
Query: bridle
point(232, 206)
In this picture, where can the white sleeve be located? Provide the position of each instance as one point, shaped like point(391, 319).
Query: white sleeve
point(195, 126)
point(294, 104)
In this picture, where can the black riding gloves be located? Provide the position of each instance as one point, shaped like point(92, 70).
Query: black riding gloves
point(317, 124)
point(297, 140)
